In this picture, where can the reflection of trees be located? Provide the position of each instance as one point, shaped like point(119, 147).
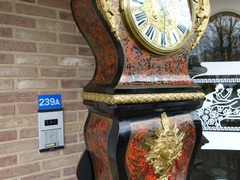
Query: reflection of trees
point(221, 40)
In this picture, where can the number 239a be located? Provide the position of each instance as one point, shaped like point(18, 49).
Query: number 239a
point(48, 102)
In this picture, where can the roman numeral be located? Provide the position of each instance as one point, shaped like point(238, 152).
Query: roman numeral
point(182, 28)
point(162, 39)
point(139, 2)
point(150, 32)
point(140, 17)
point(174, 37)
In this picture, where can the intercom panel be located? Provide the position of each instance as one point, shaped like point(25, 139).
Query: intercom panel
point(50, 128)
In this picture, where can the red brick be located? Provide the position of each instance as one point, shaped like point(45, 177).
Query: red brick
point(70, 128)
point(57, 49)
point(82, 116)
point(17, 20)
point(6, 84)
point(8, 135)
point(73, 61)
point(86, 73)
point(10, 97)
point(81, 136)
point(66, 95)
point(73, 106)
point(70, 178)
point(8, 160)
point(71, 149)
point(69, 95)
point(34, 155)
point(19, 170)
point(35, 11)
point(69, 171)
point(57, 72)
point(8, 45)
point(6, 110)
point(63, 4)
point(70, 117)
point(72, 39)
point(37, 84)
point(18, 72)
point(21, 121)
point(6, 32)
point(35, 35)
point(17, 146)
point(30, 1)
point(44, 176)
point(74, 83)
point(85, 51)
point(6, 59)
point(56, 26)
point(59, 162)
point(37, 60)
point(5, 6)
point(70, 138)
point(27, 108)
point(66, 16)
point(28, 133)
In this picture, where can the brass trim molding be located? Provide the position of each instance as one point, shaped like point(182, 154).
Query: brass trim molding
point(140, 98)
point(165, 147)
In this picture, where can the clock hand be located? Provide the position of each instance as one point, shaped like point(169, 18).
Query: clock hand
point(164, 12)
point(164, 7)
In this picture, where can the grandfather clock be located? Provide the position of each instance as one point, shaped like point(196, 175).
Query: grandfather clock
point(141, 101)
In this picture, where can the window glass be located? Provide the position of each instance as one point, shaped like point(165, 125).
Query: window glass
point(215, 65)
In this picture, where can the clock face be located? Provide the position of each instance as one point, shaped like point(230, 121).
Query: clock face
point(161, 26)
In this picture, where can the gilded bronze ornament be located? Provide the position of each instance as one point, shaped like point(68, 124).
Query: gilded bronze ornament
point(165, 147)
point(202, 11)
point(106, 9)
point(140, 98)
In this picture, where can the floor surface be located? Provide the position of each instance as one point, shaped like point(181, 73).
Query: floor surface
point(217, 165)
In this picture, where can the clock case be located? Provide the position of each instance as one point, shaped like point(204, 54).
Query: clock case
point(122, 64)
point(128, 71)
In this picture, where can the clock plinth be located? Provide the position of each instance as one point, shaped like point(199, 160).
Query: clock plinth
point(133, 86)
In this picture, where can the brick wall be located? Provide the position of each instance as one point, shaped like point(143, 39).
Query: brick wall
point(41, 52)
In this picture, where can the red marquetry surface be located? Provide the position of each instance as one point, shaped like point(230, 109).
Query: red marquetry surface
point(99, 40)
point(98, 130)
point(140, 66)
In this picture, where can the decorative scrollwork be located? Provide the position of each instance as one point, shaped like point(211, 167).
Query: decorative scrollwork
point(106, 8)
point(202, 12)
point(217, 80)
point(165, 147)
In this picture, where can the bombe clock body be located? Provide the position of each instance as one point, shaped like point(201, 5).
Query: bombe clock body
point(141, 100)
point(141, 46)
